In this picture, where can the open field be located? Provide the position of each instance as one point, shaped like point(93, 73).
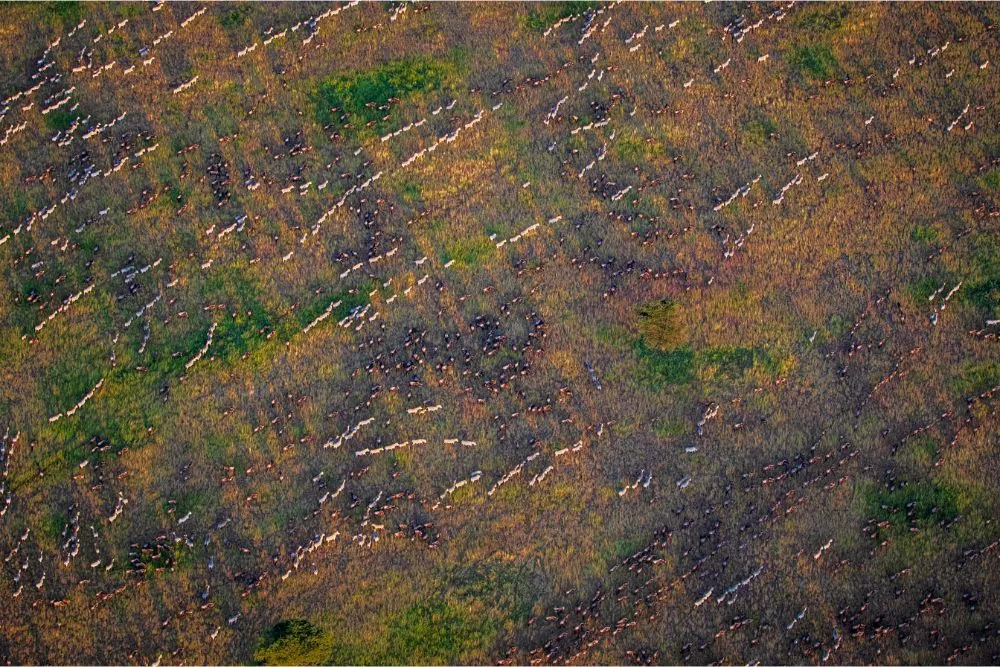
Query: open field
point(432, 333)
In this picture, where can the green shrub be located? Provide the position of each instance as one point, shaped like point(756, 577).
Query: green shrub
point(294, 642)
point(235, 17)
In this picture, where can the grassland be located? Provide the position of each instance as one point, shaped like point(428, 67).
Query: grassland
point(571, 332)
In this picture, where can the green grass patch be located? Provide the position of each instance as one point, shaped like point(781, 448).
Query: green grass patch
point(348, 302)
point(221, 119)
point(502, 587)
point(236, 335)
point(733, 361)
point(410, 191)
point(921, 290)
point(991, 180)
point(190, 501)
point(919, 504)
point(759, 128)
point(60, 119)
point(985, 295)
point(611, 334)
point(675, 367)
point(923, 234)
point(236, 16)
point(68, 11)
point(815, 61)
point(16, 207)
point(621, 549)
point(70, 377)
point(53, 523)
point(630, 148)
point(169, 557)
point(459, 624)
point(669, 428)
point(826, 19)
point(681, 365)
point(433, 632)
point(923, 450)
point(544, 14)
point(975, 377)
point(361, 94)
point(467, 252)
point(294, 642)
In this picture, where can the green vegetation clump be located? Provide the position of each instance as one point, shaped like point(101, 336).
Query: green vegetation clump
point(759, 128)
point(60, 119)
point(985, 295)
point(433, 632)
point(733, 361)
point(294, 642)
point(676, 367)
point(467, 252)
point(991, 180)
point(365, 95)
point(236, 16)
point(816, 61)
point(68, 11)
point(545, 14)
point(975, 377)
point(919, 504)
point(827, 19)
point(924, 234)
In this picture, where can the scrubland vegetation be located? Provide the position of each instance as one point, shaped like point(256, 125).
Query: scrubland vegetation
point(496, 333)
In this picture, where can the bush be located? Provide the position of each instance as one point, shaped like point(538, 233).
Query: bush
point(235, 17)
point(294, 642)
